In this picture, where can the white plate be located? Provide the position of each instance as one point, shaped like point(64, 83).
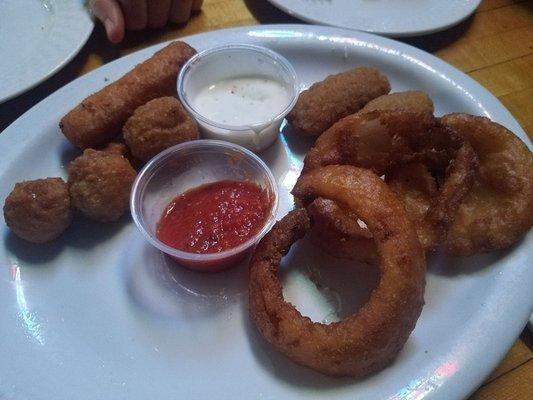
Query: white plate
point(99, 314)
point(37, 38)
point(396, 18)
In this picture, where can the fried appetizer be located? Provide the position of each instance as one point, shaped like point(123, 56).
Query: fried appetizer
point(38, 211)
point(336, 97)
point(370, 339)
point(101, 116)
point(158, 125)
point(412, 101)
point(99, 184)
point(498, 210)
point(385, 140)
point(337, 231)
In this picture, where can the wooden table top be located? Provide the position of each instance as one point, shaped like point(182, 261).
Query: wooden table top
point(495, 47)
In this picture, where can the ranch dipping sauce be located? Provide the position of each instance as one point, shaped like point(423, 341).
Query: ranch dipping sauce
point(242, 101)
point(239, 93)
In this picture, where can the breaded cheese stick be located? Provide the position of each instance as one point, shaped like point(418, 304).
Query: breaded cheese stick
point(100, 117)
point(336, 97)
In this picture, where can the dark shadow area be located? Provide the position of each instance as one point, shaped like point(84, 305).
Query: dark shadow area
point(162, 288)
point(33, 253)
point(527, 338)
point(447, 265)
point(436, 41)
point(68, 153)
point(267, 13)
point(284, 369)
point(298, 144)
point(85, 233)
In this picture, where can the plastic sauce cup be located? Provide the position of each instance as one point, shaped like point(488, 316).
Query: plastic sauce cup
point(235, 61)
point(186, 166)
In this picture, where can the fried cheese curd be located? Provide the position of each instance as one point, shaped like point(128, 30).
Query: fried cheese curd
point(158, 125)
point(38, 211)
point(99, 184)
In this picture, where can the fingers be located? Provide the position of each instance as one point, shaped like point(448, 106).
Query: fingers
point(110, 14)
point(197, 4)
point(158, 11)
point(180, 11)
point(135, 14)
point(118, 15)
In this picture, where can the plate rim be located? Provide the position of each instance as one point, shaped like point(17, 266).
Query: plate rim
point(466, 386)
point(389, 33)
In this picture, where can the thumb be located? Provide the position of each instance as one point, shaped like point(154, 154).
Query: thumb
point(110, 14)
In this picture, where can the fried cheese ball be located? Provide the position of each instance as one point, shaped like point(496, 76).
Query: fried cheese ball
point(158, 125)
point(99, 184)
point(38, 211)
point(336, 97)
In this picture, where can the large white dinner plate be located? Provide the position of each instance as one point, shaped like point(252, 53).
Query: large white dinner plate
point(37, 38)
point(396, 18)
point(99, 314)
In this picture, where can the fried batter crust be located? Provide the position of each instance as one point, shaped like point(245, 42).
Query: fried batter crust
point(412, 101)
point(336, 97)
point(370, 339)
point(158, 125)
point(38, 211)
point(100, 183)
point(498, 210)
point(100, 117)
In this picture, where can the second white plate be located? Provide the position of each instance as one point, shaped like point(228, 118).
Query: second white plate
point(395, 18)
point(37, 38)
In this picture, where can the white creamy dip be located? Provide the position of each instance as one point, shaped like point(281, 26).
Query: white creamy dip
point(242, 101)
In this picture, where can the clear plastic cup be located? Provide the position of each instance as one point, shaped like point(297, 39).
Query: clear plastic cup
point(188, 165)
point(233, 61)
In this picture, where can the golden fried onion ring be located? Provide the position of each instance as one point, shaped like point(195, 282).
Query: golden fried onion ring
point(370, 339)
point(498, 210)
point(383, 141)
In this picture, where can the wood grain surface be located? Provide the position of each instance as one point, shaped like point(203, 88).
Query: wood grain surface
point(494, 46)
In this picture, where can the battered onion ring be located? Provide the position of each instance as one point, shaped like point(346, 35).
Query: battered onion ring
point(498, 210)
point(411, 100)
point(337, 231)
point(385, 140)
point(370, 339)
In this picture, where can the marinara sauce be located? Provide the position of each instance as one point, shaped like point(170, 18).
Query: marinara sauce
point(214, 217)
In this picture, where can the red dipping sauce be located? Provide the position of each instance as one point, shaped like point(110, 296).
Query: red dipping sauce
point(215, 217)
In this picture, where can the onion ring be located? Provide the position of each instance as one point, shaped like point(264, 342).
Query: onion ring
point(498, 210)
point(371, 338)
point(385, 140)
point(411, 100)
point(337, 232)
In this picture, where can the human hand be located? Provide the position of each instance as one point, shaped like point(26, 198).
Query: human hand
point(118, 15)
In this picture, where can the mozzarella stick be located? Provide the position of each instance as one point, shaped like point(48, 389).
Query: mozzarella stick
point(100, 117)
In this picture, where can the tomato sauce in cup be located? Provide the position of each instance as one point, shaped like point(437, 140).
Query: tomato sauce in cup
point(214, 217)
